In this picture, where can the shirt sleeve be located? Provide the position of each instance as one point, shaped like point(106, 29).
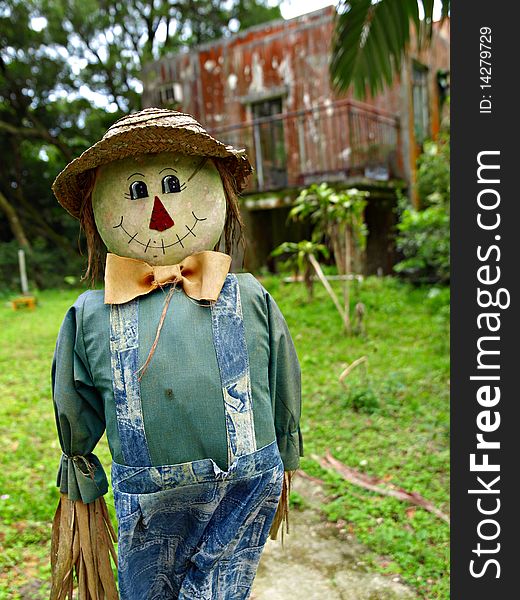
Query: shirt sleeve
point(79, 413)
point(285, 385)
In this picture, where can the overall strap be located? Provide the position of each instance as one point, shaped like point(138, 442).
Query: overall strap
point(124, 352)
point(233, 362)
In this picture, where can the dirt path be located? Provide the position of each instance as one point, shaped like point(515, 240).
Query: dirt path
point(315, 563)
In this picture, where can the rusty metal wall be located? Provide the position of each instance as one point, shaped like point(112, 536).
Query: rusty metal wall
point(287, 58)
point(219, 82)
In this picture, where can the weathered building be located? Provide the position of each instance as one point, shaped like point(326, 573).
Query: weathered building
point(267, 89)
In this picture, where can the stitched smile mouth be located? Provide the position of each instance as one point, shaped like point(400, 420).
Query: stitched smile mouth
point(162, 246)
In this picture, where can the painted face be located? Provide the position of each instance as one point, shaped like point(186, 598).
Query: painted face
point(159, 208)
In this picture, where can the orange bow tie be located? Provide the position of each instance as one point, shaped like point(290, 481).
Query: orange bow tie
point(202, 276)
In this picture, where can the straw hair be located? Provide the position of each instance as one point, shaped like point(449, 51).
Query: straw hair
point(149, 131)
point(96, 251)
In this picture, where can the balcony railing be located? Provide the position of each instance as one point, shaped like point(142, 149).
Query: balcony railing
point(331, 142)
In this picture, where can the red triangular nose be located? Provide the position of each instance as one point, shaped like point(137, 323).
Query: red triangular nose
point(160, 220)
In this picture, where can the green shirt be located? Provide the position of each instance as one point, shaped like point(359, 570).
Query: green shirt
point(181, 394)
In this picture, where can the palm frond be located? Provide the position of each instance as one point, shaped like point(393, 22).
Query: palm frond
point(371, 38)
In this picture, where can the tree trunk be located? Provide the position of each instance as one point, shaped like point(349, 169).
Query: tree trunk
point(35, 222)
point(309, 283)
point(14, 223)
point(336, 239)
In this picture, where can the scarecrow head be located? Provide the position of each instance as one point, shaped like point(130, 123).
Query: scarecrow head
point(156, 187)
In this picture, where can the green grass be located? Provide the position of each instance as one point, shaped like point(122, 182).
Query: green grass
point(30, 449)
point(394, 426)
point(402, 438)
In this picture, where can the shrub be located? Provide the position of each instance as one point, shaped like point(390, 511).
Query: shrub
point(424, 234)
point(424, 240)
point(433, 172)
point(363, 399)
point(338, 217)
point(47, 266)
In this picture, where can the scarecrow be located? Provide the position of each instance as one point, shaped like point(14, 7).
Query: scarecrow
point(189, 368)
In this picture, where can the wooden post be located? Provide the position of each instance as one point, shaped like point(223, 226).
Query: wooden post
point(301, 144)
point(23, 272)
point(330, 292)
point(258, 157)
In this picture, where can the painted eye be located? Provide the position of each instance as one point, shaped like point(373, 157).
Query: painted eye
point(138, 190)
point(170, 184)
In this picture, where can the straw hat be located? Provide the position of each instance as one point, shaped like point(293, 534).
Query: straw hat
point(151, 130)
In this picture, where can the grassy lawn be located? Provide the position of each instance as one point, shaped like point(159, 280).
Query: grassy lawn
point(394, 425)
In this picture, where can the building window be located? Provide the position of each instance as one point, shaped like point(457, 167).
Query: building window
point(171, 93)
point(269, 140)
point(266, 108)
point(443, 82)
point(421, 109)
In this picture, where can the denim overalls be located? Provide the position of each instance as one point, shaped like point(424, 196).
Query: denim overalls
point(191, 530)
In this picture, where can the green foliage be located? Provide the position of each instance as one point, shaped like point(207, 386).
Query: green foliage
point(298, 254)
point(362, 398)
point(31, 452)
point(338, 217)
point(405, 441)
point(9, 265)
point(327, 208)
point(41, 265)
point(424, 234)
point(433, 172)
point(438, 300)
point(424, 240)
point(299, 260)
point(55, 56)
point(254, 12)
point(296, 501)
point(371, 40)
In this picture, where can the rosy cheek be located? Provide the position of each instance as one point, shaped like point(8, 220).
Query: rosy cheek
point(137, 211)
point(215, 213)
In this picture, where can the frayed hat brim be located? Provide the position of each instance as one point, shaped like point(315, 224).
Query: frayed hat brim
point(149, 131)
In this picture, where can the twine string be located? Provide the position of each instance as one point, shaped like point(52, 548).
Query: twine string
point(142, 370)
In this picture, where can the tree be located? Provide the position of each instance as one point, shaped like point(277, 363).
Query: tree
point(338, 217)
point(371, 39)
point(300, 259)
point(113, 39)
point(32, 127)
point(54, 54)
